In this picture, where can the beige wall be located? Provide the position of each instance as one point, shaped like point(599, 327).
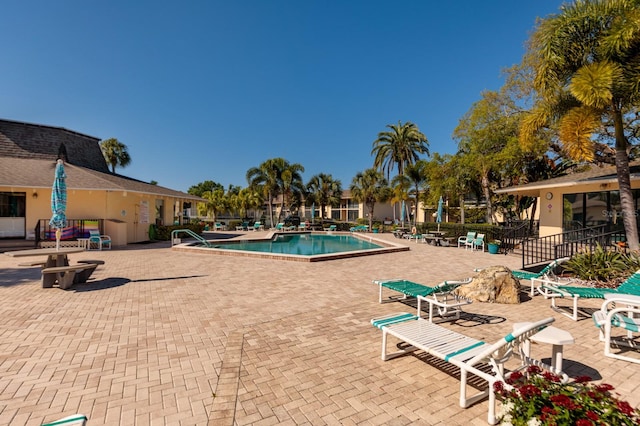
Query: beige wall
point(121, 206)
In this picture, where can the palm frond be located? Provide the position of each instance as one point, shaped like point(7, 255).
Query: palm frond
point(576, 130)
point(593, 83)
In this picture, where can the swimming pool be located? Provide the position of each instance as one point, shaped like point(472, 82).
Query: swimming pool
point(310, 247)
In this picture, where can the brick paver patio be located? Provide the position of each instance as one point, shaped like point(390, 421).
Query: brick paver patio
point(170, 338)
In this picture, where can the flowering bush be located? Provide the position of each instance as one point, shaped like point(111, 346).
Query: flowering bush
point(539, 398)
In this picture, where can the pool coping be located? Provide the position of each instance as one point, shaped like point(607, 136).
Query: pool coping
point(388, 247)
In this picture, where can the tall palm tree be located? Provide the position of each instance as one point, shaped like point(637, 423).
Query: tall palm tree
point(291, 185)
point(115, 153)
point(586, 62)
point(400, 185)
point(275, 177)
point(370, 187)
point(324, 191)
point(398, 147)
point(416, 173)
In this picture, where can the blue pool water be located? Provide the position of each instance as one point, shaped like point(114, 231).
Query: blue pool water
point(301, 244)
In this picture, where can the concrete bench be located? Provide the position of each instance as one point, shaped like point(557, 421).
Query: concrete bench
point(95, 262)
point(66, 275)
point(40, 263)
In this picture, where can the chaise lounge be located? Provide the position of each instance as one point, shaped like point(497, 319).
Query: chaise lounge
point(619, 312)
point(631, 286)
point(468, 354)
point(412, 289)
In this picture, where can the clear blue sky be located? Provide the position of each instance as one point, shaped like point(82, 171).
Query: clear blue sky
point(205, 90)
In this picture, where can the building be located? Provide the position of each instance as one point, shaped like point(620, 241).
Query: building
point(124, 207)
point(580, 200)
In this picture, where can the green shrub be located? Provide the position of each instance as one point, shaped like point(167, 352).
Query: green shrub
point(163, 233)
point(598, 265)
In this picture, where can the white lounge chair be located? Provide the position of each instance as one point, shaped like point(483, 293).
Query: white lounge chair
point(99, 241)
point(464, 352)
point(623, 312)
point(76, 419)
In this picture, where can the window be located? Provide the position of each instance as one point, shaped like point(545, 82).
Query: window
point(12, 204)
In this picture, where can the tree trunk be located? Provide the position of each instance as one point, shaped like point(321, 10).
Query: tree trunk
point(270, 209)
point(487, 196)
point(370, 205)
point(461, 199)
point(624, 183)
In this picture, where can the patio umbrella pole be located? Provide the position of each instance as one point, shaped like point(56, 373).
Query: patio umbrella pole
point(59, 202)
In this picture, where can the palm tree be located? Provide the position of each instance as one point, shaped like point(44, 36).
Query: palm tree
point(586, 66)
point(324, 191)
point(217, 202)
point(400, 185)
point(370, 187)
point(291, 185)
point(265, 179)
point(245, 199)
point(399, 147)
point(115, 153)
point(274, 177)
point(416, 173)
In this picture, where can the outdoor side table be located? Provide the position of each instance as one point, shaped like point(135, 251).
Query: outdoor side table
point(553, 336)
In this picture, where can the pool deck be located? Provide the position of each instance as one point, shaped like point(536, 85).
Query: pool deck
point(163, 337)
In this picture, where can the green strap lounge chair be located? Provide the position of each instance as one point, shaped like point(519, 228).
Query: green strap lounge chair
point(548, 272)
point(411, 289)
point(621, 312)
point(631, 286)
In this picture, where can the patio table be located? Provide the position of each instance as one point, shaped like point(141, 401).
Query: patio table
point(55, 258)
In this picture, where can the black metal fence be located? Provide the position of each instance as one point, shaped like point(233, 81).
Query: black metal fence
point(76, 228)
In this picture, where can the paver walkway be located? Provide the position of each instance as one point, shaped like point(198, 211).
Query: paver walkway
point(170, 338)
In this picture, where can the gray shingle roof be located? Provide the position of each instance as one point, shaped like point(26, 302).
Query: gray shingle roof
point(28, 154)
point(37, 173)
point(26, 140)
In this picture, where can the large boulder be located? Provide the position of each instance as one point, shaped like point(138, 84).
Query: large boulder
point(493, 284)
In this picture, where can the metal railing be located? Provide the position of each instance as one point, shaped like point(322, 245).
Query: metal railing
point(515, 233)
point(75, 229)
point(175, 237)
point(545, 249)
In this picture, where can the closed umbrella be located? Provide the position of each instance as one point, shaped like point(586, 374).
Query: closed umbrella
point(313, 213)
point(402, 209)
point(439, 212)
point(59, 202)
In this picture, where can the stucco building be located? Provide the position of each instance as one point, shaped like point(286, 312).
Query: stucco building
point(124, 207)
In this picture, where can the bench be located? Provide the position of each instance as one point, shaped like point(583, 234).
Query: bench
point(40, 263)
point(471, 356)
point(96, 262)
point(66, 275)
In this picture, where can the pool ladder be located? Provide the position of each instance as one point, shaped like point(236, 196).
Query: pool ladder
point(176, 240)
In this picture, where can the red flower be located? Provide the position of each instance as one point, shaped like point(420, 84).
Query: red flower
point(593, 416)
point(515, 376)
point(583, 379)
point(498, 387)
point(563, 401)
point(604, 387)
point(529, 391)
point(584, 422)
point(624, 407)
point(534, 369)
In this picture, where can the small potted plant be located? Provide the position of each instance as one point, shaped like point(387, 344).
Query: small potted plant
point(494, 246)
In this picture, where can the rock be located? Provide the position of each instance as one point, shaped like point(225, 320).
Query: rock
point(492, 284)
